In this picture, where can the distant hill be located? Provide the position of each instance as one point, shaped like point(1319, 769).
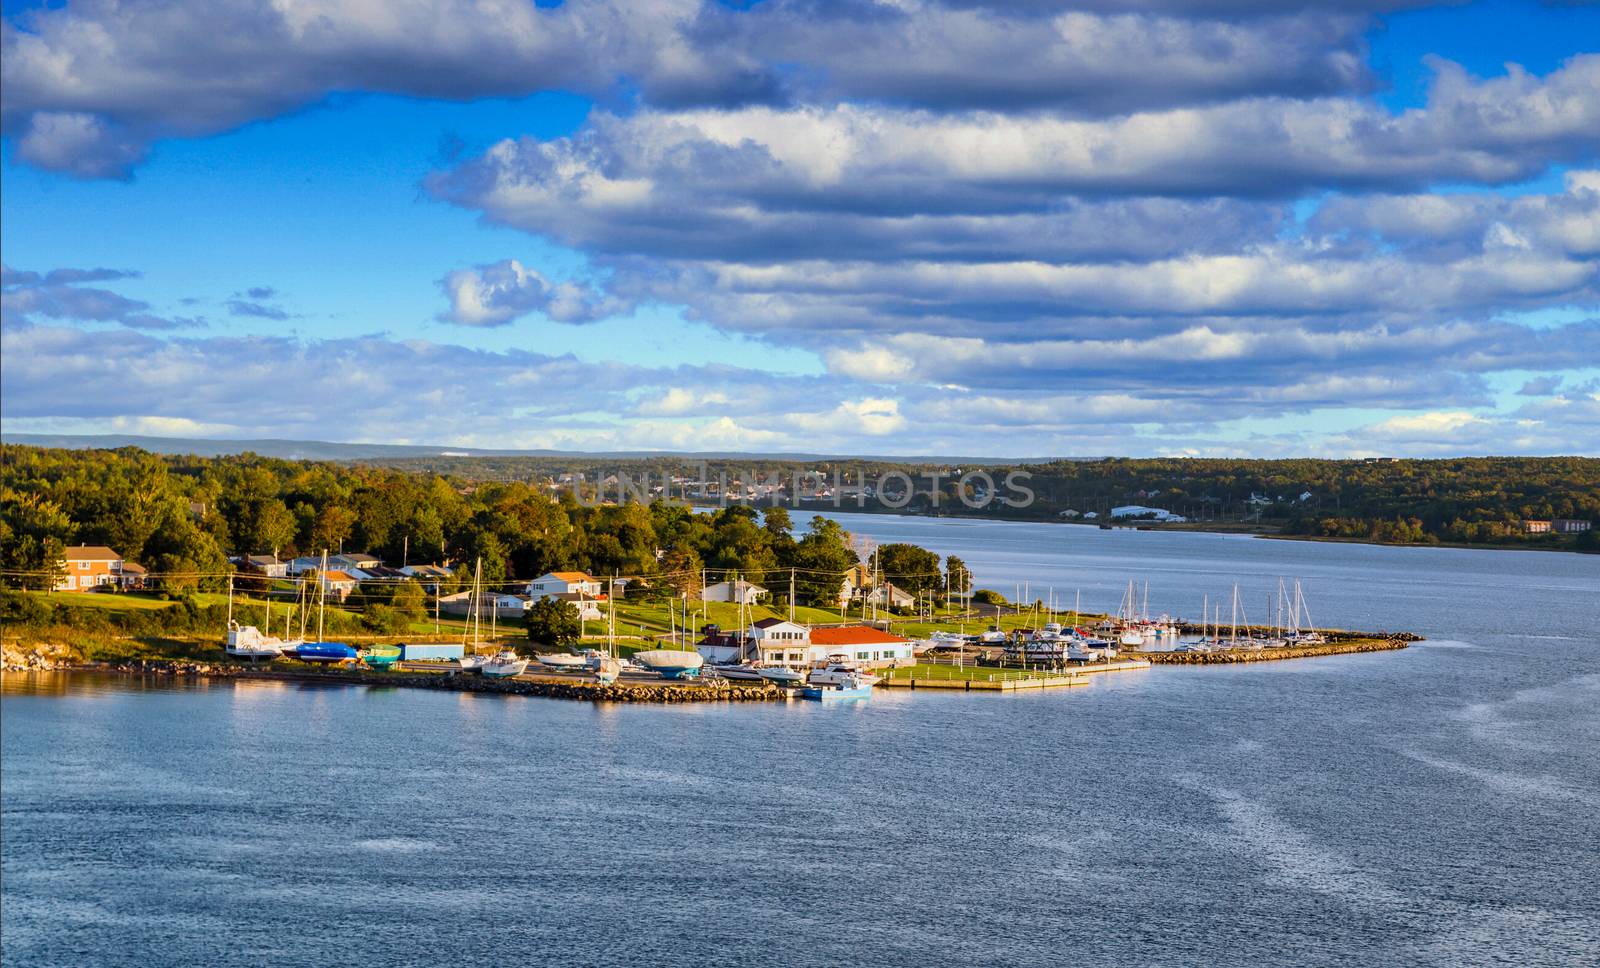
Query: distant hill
point(335, 451)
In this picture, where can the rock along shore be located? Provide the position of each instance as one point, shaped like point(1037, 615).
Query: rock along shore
point(621, 692)
point(1348, 647)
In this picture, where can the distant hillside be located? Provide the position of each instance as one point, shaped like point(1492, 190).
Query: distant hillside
point(331, 450)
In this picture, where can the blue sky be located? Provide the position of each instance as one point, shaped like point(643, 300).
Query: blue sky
point(844, 229)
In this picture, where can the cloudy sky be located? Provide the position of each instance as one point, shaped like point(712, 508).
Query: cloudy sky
point(1219, 227)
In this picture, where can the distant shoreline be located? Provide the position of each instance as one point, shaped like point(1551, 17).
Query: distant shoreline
point(1197, 527)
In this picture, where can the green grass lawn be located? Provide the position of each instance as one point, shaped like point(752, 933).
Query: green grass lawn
point(121, 601)
point(970, 673)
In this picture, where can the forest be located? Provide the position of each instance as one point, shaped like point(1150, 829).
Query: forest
point(183, 517)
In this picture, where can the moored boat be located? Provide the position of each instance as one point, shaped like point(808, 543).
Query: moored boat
point(836, 674)
point(848, 687)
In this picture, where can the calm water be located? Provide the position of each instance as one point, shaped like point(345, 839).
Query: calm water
point(1432, 806)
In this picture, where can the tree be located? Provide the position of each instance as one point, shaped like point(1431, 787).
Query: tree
point(908, 567)
point(958, 575)
point(821, 558)
point(409, 600)
point(552, 621)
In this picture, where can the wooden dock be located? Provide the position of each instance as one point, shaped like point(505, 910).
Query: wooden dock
point(976, 678)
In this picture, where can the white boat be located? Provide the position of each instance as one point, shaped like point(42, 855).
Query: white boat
point(605, 668)
point(738, 670)
point(562, 660)
point(670, 663)
point(247, 642)
point(781, 675)
point(992, 636)
point(472, 663)
point(837, 674)
point(504, 665)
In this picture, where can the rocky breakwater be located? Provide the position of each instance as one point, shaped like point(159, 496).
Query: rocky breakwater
point(620, 692)
point(38, 657)
point(1224, 657)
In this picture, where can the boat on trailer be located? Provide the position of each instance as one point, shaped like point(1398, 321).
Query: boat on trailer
point(505, 665)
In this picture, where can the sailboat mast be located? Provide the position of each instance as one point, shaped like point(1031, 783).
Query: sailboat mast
point(322, 594)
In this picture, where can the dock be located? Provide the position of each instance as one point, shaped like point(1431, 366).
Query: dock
point(980, 678)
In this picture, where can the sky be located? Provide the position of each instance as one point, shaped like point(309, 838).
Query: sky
point(1027, 229)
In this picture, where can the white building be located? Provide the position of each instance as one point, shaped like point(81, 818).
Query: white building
point(1152, 514)
point(558, 583)
point(749, 593)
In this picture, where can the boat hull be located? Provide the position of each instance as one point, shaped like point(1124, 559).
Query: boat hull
point(670, 663)
point(823, 694)
point(325, 653)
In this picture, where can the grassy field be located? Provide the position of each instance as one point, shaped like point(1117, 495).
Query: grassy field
point(969, 673)
point(117, 601)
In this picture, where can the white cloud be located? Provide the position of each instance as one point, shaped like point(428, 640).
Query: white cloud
point(497, 293)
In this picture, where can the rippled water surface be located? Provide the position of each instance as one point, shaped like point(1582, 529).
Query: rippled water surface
point(1433, 806)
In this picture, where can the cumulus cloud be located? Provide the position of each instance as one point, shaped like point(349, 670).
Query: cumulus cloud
point(88, 87)
point(499, 292)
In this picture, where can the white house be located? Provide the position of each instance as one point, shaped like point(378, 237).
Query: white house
point(1140, 511)
point(491, 604)
point(749, 593)
point(268, 565)
point(887, 595)
point(558, 583)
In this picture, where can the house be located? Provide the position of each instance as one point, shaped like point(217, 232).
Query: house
point(588, 606)
point(354, 561)
point(717, 646)
point(1141, 512)
point(302, 564)
point(93, 566)
point(888, 596)
point(748, 593)
point(1535, 527)
point(559, 583)
point(338, 584)
point(268, 565)
point(490, 604)
point(133, 576)
point(1569, 526)
point(430, 576)
point(860, 644)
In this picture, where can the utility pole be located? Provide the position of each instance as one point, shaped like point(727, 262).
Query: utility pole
point(791, 594)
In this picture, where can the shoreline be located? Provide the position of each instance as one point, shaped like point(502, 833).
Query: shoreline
point(1254, 531)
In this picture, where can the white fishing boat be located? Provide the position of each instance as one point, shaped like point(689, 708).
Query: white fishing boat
point(504, 665)
point(472, 663)
point(837, 673)
point(670, 663)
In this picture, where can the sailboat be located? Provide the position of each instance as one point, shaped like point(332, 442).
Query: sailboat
point(1298, 613)
point(320, 652)
point(247, 641)
point(470, 660)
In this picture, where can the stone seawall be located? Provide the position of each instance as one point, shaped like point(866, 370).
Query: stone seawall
point(621, 692)
point(1268, 655)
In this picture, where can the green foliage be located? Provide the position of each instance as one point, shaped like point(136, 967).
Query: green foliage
point(552, 621)
point(908, 567)
point(988, 596)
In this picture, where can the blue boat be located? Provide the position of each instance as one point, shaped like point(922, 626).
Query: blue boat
point(844, 685)
point(325, 652)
